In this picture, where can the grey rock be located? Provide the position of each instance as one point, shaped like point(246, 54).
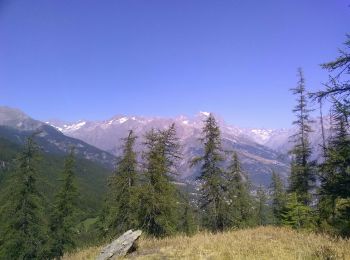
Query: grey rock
point(120, 246)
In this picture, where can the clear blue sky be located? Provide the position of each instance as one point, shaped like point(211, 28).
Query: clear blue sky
point(73, 59)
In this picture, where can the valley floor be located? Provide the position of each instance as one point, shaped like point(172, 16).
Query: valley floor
point(255, 243)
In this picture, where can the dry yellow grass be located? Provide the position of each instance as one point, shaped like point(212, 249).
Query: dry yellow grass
point(256, 243)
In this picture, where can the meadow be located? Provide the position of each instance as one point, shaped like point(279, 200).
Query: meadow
point(253, 243)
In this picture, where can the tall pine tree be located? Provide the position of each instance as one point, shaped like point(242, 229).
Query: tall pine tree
point(122, 201)
point(302, 179)
point(238, 196)
point(61, 221)
point(212, 200)
point(278, 195)
point(296, 214)
point(159, 203)
point(334, 203)
point(335, 173)
point(24, 236)
point(263, 210)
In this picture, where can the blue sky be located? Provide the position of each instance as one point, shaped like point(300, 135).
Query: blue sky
point(85, 59)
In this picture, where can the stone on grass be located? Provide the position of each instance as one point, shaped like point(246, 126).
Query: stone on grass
point(121, 246)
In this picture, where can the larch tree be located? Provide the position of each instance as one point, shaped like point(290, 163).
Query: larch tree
point(334, 202)
point(263, 210)
point(24, 236)
point(159, 201)
point(335, 173)
point(302, 179)
point(237, 194)
point(212, 201)
point(278, 196)
point(123, 191)
point(61, 226)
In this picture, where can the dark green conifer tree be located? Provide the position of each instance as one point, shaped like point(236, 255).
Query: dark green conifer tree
point(188, 223)
point(338, 86)
point(213, 201)
point(122, 201)
point(302, 179)
point(24, 235)
point(239, 211)
point(263, 210)
point(296, 214)
point(278, 196)
point(334, 202)
point(159, 202)
point(335, 173)
point(62, 231)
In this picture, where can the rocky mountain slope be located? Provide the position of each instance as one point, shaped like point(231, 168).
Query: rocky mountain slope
point(258, 160)
point(16, 126)
point(260, 150)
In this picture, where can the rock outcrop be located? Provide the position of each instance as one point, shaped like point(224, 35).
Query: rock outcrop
point(121, 246)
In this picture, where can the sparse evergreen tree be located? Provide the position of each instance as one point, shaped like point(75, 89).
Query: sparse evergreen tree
point(24, 236)
point(212, 200)
point(61, 221)
point(278, 197)
point(334, 202)
point(302, 179)
point(159, 202)
point(263, 210)
point(187, 218)
point(122, 201)
point(296, 214)
point(336, 87)
point(238, 197)
point(335, 178)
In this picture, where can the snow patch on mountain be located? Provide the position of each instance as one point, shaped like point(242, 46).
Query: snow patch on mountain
point(75, 127)
point(204, 113)
point(123, 120)
point(55, 126)
point(262, 135)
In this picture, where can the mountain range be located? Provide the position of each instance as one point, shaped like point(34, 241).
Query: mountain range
point(260, 150)
point(252, 145)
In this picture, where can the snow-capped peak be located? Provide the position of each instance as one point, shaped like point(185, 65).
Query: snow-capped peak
point(264, 134)
point(118, 121)
point(74, 127)
point(204, 113)
point(57, 127)
point(122, 120)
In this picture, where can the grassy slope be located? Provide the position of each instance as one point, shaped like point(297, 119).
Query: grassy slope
point(255, 243)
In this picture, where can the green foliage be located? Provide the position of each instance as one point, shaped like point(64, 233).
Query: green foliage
point(212, 180)
point(338, 87)
point(263, 209)
point(159, 203)
point(61, 225)
point(278, 197)
point(239, 209)
point(302, 178)
point(122, 198)
point(24, 235)
point(90, 183)
point(296, 214)
point(335, 175)
point(187, 221)
point(335, 170)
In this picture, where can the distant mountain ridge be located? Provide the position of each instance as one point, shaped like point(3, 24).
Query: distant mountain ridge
point(276, 139)
point(260, 150)
point(16, 126)
point(258, 160)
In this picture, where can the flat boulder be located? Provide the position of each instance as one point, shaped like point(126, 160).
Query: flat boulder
point(121, 246)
